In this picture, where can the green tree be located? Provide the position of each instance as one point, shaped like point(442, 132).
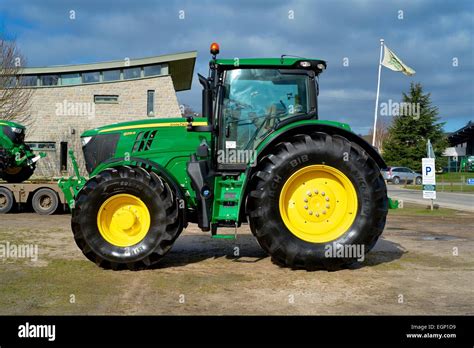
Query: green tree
point(416, 122)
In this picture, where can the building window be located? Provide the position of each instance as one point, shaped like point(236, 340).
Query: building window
point(131, 73)
point(42, 145)
point(111, 75)
point(150, 103)
point(28, 80)
point(106, 99)
point(91, 77)
point(152, 70)
point(49, 80)
point(70, 79)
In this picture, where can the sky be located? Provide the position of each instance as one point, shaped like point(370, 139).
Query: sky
point(435, 38)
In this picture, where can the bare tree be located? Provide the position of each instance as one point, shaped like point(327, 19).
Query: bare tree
point(380, 136)
point(14, 96)
point(187, 111)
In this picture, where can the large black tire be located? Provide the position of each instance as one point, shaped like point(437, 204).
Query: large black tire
point(3, 160)
point(45, 201)
point(23, 174)
point(265, 219)
point(6, 200)
point(165, 226)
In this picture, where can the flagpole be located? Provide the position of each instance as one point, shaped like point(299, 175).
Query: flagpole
point(378, 91)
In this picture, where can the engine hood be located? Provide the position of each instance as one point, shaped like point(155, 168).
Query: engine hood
point(143, 124)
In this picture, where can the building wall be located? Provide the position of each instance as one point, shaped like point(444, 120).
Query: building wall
point(455, 151)
point(61, 114)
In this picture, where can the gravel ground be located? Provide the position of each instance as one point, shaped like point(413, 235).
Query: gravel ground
point(423, 264)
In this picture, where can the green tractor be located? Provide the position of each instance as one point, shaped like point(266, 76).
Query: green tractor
point(467, 164)
point(17, 161)
point(261, 155)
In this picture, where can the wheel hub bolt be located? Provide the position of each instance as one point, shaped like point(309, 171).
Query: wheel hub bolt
point(308, 193)
point(327, 206)
point(327, 199)
point(305, 200)
point(324, 211)
point(323, 193)
point(310, 212)
point(316, 192)
point(317, 214)
point(306, 207)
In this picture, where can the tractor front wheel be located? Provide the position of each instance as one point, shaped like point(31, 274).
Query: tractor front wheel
point(317, 201)
point(126, 217)
point(14, 175)
point(17, 175)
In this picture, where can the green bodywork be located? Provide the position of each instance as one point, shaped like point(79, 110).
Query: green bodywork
point(257, 62)
point(16, 151)
point(467, 164)
point(170, 151)
point(166, 145)
point(72, 185)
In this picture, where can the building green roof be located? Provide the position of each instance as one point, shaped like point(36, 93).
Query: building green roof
point(180, 67)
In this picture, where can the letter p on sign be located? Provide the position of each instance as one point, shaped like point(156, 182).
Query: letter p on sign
point(429, 177)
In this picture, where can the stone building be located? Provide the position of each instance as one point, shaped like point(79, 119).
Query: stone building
point(67, 100)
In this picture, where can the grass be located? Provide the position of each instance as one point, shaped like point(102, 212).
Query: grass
point(445, 188)
point(454, 177)
point(47, 290)
point(419, 210)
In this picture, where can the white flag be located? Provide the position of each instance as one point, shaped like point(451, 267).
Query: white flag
point(391, 61)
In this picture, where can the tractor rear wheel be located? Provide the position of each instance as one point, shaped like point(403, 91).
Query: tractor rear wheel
point(317, 201)
point(126, 217)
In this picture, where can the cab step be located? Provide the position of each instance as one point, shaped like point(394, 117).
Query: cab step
point(216, 235)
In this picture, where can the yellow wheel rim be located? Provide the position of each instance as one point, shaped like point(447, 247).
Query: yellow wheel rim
point(123, 220)
point(318, 203)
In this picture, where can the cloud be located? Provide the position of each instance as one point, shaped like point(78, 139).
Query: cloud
point(428, 38)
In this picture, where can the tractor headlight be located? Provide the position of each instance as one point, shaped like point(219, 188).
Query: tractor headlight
point(17, 130)
point(85, 140)
point(321, 66)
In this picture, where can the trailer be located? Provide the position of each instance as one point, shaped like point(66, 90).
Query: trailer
point(44, 197)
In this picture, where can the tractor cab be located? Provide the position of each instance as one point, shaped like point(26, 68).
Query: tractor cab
point(245, 100)
point(11, 132)
point(17, 161)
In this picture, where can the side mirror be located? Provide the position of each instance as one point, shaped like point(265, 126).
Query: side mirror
point(206, 98)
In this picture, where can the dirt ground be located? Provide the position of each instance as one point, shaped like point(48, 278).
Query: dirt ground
point(423, 264)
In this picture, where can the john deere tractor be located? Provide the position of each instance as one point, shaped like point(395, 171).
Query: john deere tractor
point(17, 161)
point(260, 155)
